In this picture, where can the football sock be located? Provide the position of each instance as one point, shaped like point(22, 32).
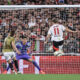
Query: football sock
point(11, 66)
point(16, 65)
point(36, 65)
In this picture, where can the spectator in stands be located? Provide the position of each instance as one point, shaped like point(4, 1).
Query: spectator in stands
point(0, 43)
point(30, 20)
point(73, 45)
point(38, 35)
point(38, 2)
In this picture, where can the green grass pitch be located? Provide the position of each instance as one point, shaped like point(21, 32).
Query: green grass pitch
point(40, 77)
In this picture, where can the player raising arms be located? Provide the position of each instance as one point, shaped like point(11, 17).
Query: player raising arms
point(56, 34)
point(23, 46)
point(8, 51)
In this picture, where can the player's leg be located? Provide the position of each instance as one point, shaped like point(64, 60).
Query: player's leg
point(17, 57)
point(8, 59)
point(8, 66)
point(61, 45)
point(55, 46)
point(12, 62)
point(34, 63)
point(15, 61)
point(28, 58)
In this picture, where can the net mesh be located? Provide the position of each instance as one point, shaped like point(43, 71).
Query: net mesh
point(35, 21)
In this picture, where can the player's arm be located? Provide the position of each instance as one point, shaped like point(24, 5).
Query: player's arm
point(14, 47)
point(48, 35)
point(69, 30)
point(47, 38)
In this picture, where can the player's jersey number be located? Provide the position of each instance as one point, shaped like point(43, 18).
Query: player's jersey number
point(56, 31)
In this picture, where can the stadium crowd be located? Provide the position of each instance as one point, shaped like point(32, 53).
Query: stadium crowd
point(36, 22)
point(38, 2)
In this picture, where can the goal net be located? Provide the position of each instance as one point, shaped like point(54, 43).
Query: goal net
point(35, 21)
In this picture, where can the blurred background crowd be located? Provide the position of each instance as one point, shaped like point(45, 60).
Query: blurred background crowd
point(35, 23)
point(38, 2)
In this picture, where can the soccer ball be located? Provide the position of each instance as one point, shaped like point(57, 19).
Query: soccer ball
point(58, 53)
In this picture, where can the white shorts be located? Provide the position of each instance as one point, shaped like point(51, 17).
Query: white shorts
point(9, 55)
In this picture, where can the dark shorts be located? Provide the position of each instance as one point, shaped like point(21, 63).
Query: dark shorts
point(57, 44)
point(23, 56)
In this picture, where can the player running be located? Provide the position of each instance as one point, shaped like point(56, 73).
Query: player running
point(56, 34)
point(23, 46)
point(8, 51)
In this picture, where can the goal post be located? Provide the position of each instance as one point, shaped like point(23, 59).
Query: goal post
point(35, 21)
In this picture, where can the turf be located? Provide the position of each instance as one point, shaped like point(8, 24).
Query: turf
point(40, 77)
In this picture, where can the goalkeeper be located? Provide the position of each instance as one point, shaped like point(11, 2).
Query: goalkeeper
point(23, 46)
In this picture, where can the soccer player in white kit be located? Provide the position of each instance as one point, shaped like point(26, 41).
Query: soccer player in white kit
point(56, 34)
